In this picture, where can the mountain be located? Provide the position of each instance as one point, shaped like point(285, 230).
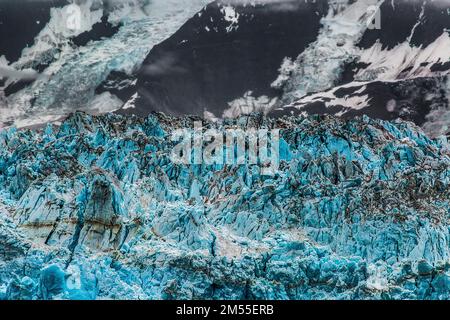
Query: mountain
point(229, 149)
point(294, 57)
point(399, 70)
point(26, 21)
point(222, 53)
point(96, 209)
point(220, 59)
point(76, 51)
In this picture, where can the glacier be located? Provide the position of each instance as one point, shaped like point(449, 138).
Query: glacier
point(95, 209)
point(319, 67)
point(73, 73)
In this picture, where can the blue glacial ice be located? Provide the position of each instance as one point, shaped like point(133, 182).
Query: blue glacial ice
point(95, 209)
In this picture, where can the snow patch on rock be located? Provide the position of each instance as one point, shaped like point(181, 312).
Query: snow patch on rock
point(319, 66)
point(404, 61)
point(248, 104)
point(231, 16)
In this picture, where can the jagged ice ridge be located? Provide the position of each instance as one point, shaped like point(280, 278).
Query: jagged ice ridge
point(95, 209)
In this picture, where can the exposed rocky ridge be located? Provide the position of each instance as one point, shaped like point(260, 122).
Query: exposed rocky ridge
point(96, 209)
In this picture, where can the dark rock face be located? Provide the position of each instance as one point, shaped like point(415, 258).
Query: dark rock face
point(19, 26)
point(400, 17)
point(418, 23)
point(229, 51)
point(211, 61)
point(70, 65)
point(397, 70)
point(411, 100)
point(17, 86)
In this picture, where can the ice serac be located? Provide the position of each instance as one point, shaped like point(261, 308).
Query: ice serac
point(96, 209)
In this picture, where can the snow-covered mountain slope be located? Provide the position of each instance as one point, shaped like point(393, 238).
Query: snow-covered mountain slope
point(70, 73)
point(318, 67)
point(384, 53)
point(233, 57)
point(95, 209)
point(399, 69)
